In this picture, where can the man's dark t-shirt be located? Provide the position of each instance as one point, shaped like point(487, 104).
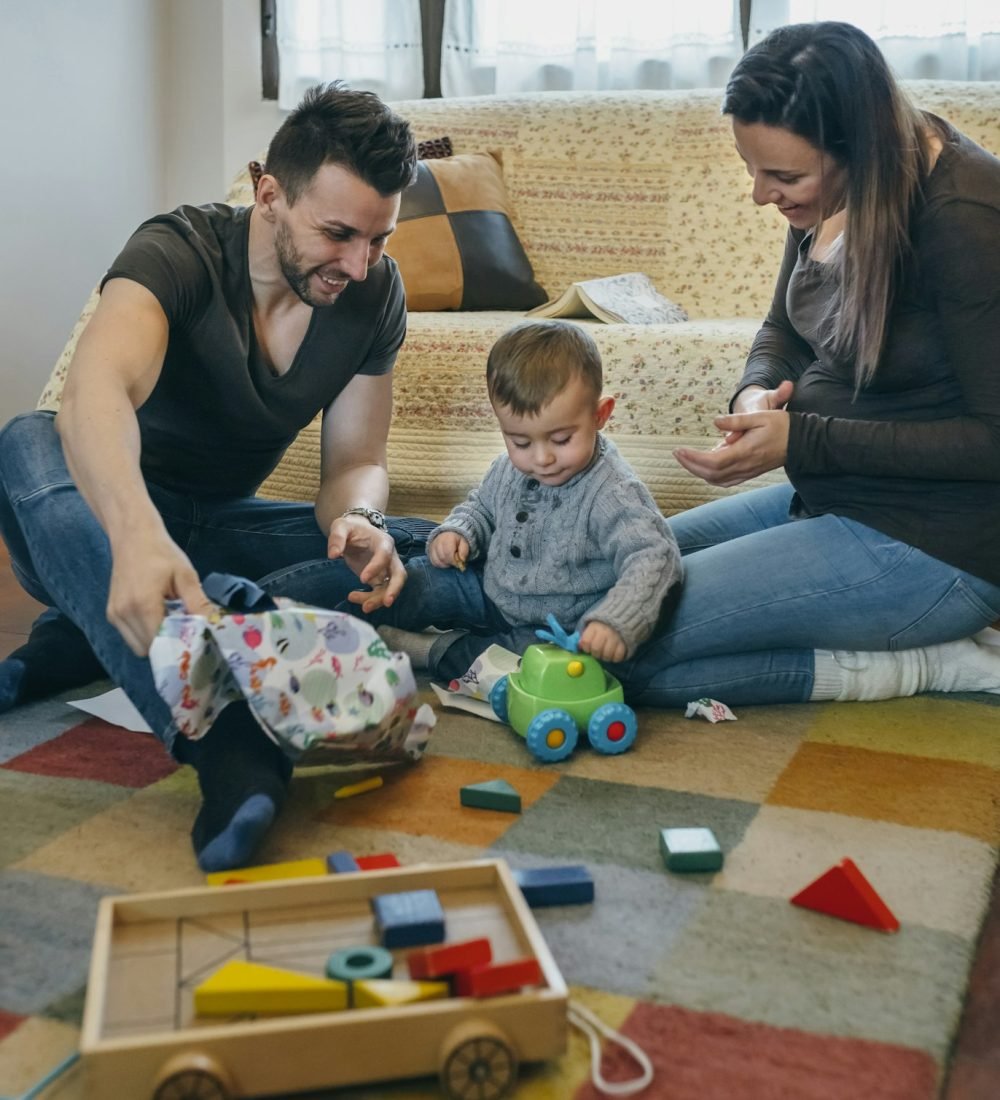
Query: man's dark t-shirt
point(219, 419)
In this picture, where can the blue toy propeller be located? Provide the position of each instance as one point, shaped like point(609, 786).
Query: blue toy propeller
point(558, 636)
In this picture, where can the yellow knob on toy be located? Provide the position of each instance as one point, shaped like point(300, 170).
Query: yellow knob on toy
point(574, 668)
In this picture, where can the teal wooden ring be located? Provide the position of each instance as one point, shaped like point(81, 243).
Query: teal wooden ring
point(357, 964)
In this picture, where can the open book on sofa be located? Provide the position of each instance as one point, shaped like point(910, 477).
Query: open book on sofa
point(629, 299)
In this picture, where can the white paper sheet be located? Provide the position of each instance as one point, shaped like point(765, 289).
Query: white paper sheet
point(114, 706)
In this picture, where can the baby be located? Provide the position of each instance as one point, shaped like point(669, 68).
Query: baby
point(560, 524)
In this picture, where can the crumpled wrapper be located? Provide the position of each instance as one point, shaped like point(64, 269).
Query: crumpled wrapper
point(710, 709)
point(314, 680)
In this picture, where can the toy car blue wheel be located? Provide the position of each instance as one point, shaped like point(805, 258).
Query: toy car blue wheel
point(552, 735)
point(498, 698)
point(612, 728)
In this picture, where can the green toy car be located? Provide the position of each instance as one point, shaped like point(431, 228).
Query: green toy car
point(557, 692)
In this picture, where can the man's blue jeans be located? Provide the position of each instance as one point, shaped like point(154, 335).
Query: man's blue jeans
point(761, 592)
point(60, 554)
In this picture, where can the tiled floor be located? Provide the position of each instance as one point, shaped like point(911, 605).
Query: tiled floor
point(975, 1071)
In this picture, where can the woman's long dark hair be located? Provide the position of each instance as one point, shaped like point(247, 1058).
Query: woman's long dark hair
point(829, 84)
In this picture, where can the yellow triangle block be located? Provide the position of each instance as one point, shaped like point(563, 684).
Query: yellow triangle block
point(269, 872)
point(246, 987)
point(380, 992)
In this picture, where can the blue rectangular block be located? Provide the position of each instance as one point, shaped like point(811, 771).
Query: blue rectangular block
point(555, 885)
point(409, 918)
point(339, 863)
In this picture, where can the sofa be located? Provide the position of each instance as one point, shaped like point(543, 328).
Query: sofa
point(597, 183)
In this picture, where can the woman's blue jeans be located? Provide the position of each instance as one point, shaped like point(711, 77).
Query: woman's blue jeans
point(60, 554)
point(762, 591)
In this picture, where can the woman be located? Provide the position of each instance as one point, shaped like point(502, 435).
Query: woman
point(874, 382)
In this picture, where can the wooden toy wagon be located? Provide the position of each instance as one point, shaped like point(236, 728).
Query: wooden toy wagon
point(141, 1038)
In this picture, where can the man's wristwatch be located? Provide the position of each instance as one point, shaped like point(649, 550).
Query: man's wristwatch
point(373, 515)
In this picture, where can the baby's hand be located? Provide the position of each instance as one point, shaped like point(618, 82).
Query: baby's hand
point(448, 549)
point(603, 642)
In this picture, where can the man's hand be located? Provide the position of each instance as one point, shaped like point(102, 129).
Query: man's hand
point(448, 550)
point(603, 642)
point(146, 571)
point(371, 554)
point(755, 439)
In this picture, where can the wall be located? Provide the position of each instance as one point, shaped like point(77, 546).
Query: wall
point(120, 109)
point(80, 133)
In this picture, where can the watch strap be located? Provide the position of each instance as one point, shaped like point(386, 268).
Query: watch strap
point(373, 515)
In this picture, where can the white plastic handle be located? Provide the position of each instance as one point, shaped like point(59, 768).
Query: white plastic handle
point(593, 1028)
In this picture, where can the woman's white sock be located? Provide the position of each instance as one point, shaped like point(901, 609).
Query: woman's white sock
point(970, 664)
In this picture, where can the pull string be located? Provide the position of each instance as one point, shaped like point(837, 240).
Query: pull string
point(593, 1027)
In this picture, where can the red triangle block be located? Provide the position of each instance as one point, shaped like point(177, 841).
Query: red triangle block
point(844, 892)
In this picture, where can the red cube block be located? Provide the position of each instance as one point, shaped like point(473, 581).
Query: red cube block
point(376, 862)
point(490, 981)
point(443, 959)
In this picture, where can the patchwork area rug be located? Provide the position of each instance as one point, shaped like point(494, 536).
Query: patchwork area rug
point(734, 992)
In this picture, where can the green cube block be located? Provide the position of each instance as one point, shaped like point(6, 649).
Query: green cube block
point(691, 849)
point(497, 794)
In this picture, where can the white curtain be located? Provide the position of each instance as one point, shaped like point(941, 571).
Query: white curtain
point(547, 45)
point(374, 45)
point(921, 39)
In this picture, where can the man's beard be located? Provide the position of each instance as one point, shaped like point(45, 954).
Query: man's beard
point(291, 267)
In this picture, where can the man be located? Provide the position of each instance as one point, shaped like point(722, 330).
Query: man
point(219, 334)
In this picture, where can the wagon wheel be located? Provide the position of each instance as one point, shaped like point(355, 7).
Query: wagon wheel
point(192, 1077)
point(479, 1063)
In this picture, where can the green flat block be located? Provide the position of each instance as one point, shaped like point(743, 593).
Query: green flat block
point(693, 849)
point(496, 794)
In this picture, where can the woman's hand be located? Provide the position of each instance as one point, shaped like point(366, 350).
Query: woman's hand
point(754, 443)
point(737, 459)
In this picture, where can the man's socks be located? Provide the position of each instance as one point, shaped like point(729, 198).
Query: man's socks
point(243, 777)
point(56, 657)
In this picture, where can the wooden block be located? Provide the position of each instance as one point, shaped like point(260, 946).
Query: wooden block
point(298, 868)
point(371, 784)
point(690, 849)
point(352, 964)
point(437, 962)
point(340, 863)
point(409, 918)
point(244, 987)
point(491, 981)
point(374, 992)
point(555, 885)
point(844, 892)
point(496, 794)
point(377, 862)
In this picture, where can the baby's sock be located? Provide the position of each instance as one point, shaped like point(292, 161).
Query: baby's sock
point(243, 777)
point(56, 657)
point(969, 664)
point(416, 646)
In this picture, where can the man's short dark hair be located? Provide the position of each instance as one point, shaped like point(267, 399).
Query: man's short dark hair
point(335, 124)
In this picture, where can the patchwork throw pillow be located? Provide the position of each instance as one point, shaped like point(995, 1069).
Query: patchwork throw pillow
point(454, 241)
